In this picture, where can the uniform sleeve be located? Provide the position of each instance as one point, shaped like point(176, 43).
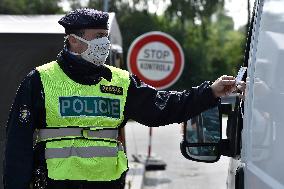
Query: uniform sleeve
point(18, 161)
point(150, 107)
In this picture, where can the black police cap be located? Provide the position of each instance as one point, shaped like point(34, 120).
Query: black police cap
point(85, 18)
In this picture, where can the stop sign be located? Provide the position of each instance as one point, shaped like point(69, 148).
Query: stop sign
point(156, 58)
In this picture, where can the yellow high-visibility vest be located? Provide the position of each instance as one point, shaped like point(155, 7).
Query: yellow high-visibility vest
point(82, 125)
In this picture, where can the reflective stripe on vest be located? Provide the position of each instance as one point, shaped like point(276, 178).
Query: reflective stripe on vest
point(49, 134)
point(84, 152)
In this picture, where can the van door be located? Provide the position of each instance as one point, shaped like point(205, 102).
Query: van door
point(263, 122)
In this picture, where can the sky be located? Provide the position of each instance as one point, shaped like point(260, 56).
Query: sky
point(237, 9)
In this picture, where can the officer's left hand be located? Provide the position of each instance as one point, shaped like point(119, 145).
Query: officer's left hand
point(223, 86)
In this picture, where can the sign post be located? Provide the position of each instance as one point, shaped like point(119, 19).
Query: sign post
point(156, 58)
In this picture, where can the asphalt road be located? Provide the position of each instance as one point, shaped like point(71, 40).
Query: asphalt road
point(180, 172)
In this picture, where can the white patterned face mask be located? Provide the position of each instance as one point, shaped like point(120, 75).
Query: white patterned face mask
point(97, 51)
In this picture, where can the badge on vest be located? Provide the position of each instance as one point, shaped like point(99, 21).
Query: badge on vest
point(111, 89)
point(77, 106)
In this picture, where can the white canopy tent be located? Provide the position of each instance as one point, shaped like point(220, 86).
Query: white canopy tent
point(48, 24)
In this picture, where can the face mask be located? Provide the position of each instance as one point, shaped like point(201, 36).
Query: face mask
point(97, 51)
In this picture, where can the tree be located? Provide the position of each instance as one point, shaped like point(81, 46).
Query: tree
point(207, 58)
point(30, 7)
point(113, 6)
point(193, 11)
point(75, 4)
point(133, 26)
point(211, 46)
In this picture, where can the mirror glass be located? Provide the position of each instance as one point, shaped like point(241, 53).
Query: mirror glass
point(204, 128)
point(203, 153)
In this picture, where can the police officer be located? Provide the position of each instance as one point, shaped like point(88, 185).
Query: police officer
point(63, 125)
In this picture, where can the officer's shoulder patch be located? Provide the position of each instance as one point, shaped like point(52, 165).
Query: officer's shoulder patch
point(111, 89)
point(24, 114)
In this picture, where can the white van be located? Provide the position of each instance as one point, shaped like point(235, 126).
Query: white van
point(255, 128)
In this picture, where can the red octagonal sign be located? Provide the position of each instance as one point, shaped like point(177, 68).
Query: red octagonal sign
point(156, 58)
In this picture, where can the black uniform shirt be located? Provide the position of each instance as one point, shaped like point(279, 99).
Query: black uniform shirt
point(144, 104)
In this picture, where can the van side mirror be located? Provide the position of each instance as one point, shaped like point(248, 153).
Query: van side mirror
point(202, 135)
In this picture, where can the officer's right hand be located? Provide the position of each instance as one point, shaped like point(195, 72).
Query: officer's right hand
point(223, 86)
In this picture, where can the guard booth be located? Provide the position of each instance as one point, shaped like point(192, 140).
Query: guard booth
point(30, 41)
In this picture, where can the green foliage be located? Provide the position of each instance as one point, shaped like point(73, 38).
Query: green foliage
point(138, 26)
point(211, 46)
point(194, 11)
point(96, 4)
point(99, 5)
point(75, 4)
point(208, 58)
point(30, 7)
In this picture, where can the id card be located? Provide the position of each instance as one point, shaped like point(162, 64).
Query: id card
point(240, 75)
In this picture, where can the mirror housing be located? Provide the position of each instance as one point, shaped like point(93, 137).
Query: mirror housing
point(188, 153)
point(209, 147)
point(201, 137)
point(234, 130)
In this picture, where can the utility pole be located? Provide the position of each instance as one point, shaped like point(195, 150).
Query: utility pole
point(106, 5)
